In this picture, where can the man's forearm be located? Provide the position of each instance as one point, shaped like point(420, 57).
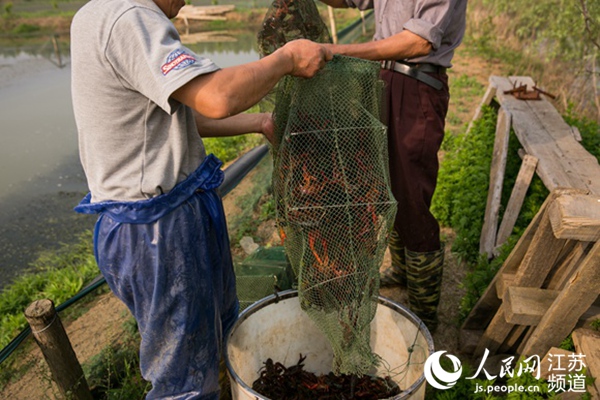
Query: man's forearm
point(235, 125)
point(230, 91)
point(403, 45)
point(335, 3)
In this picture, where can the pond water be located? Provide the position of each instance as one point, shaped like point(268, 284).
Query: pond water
point(41, 179)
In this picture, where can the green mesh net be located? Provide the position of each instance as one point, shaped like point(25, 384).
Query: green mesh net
point(333, 202)
point(287, 20)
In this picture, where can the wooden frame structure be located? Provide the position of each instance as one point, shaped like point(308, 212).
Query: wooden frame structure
point(551, 149)
point(550, 282)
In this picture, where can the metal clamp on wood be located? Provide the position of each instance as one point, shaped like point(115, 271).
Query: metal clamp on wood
point(416, 71)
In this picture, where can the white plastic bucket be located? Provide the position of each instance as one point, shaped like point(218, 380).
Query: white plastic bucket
point(277, 328)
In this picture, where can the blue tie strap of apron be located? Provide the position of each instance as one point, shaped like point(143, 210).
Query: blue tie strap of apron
point(206, 177)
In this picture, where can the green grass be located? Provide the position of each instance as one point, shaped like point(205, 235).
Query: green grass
point(256, 201)
point(228, 148)
point(62, 275)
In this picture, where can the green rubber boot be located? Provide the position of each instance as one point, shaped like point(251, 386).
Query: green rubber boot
point(424, 276)
point(396, 274)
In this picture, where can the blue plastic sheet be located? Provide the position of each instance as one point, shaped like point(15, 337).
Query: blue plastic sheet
point(168, 259)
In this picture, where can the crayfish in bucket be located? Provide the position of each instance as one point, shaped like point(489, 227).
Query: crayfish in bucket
point(278, 382)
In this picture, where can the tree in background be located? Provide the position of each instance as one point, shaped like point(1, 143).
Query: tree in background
point(560, 39)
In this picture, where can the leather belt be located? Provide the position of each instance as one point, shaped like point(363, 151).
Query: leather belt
point(417, 71)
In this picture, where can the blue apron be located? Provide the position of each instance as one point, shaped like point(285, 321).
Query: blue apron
point(168, 259)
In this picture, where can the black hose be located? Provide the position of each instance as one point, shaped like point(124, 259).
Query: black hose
point(233, 175)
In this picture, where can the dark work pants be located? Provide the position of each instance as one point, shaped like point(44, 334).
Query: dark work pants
point(415, 115)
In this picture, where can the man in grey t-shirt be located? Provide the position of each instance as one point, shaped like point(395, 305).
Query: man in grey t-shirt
point(142, 101)
point(415, 41)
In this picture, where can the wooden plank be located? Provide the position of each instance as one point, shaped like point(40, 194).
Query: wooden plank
point(525, 339)
point(537, 263)
point(579, 294)
point(591, 315)
point(568, 265)
point(517, 196)
point(576, 217)
point(527, 306)
point(495, 334)
point(540, 257)
point(485, 101)
point(576, 133)
point(191, 11)
point(483, 311)
point(503, 282)
point(468, 339)
point(513, 339)
point(563, 162)
point(587, 342)
point(555, 359)
point(576, 161)
point(490, 222)
point(207, 37)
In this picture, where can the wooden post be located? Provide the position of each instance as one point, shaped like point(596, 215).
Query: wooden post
point(490, 222)
point(58, 352)
point(486, 101)
point(364, 25)
point(515, 202)
point(57, 51)
point(332, 23)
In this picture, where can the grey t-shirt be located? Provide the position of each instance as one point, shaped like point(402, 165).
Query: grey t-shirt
point(440, 22)
point(127, 59)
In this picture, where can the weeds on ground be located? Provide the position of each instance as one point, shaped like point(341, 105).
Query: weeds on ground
point(114, 374)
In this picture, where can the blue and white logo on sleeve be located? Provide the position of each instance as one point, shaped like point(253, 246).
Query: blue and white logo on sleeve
point(178, 59)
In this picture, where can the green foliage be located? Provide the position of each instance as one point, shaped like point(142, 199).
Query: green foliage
point(228, 148)
point(549, 28)
point(25, 28)
point(461, 193)
point(461, 198)
point(63, 274)
point(528, 381)
point(589, 130)
point(567, 344)
point(470, 83)
point(8, 9)
point(479, 277)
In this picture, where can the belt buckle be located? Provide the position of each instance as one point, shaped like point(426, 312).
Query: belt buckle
point(387, 64)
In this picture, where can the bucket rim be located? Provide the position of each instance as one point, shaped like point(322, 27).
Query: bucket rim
point(288, 294)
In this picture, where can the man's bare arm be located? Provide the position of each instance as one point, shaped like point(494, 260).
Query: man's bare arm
point(403, 45)
point(236, 125)
point(335, 3)
point(229, 91)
